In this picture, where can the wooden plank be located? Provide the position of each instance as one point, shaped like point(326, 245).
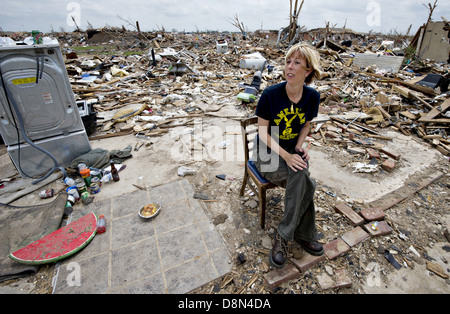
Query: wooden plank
point(412, 95)
point(417, 88)
point(436, 111)
point(443, 120)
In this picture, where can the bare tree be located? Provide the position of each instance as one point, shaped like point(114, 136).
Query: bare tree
point(293, 17)
point(73, 19)
point(238, 24)
point(431, 8)
point(292, 31)
point(129, 22)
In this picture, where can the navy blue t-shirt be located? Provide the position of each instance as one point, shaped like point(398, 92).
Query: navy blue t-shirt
point(285, 118)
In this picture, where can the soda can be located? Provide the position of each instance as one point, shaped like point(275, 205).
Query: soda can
point(72, 190)
point(71, 199)
point(95, 180)
point(46, 193)
point(86, 175)
point(95, 173)
point(95, 188)
point(81, 187)
point(84, 195)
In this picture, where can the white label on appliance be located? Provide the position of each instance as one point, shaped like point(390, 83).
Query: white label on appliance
point(47, 98)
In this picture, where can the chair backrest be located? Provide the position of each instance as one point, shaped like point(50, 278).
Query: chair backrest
point(249, 129)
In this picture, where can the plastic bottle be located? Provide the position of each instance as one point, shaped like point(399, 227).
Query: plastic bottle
point(106, 178)
point(375, 226)
point(101, 224)
point(69, 181)
point(114, 173)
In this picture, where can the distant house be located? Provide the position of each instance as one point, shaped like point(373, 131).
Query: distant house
point(432, 41)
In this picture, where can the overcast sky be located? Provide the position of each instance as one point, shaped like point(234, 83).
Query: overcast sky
point(191, 15)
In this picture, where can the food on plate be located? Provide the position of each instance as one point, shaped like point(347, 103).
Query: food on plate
point(149, 210)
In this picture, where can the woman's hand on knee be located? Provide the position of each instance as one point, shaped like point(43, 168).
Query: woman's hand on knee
point(296, 162)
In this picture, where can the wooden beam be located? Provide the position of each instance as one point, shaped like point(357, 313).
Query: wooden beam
point(435, 111)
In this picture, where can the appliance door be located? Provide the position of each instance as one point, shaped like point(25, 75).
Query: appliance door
point(31, 162)
point(47, 104)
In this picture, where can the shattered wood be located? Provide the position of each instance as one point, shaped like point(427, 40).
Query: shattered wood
point(405, 105)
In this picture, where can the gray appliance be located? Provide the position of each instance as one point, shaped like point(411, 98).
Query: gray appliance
point(39, 119)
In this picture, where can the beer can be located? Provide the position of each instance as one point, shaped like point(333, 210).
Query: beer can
point(46, 193)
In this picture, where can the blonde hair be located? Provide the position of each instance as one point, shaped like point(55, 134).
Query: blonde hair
point(312, 58)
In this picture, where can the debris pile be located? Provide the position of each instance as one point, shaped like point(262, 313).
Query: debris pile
point(365, 86)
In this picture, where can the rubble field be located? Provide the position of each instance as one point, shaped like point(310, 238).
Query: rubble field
point(161, 87)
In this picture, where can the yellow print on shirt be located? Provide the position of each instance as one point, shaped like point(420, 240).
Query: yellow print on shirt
point(288, 116)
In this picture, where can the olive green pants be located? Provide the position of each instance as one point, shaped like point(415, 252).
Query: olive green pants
point(299, 213)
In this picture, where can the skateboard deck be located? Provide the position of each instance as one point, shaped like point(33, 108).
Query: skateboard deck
point(60, 243)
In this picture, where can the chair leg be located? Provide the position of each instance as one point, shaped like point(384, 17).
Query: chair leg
point(244, 182)
point(262, 207)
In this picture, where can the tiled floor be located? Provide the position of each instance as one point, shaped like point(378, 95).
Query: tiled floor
point(174, 252)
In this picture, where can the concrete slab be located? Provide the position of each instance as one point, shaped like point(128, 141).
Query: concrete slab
point(415, 157)
point(175, 252)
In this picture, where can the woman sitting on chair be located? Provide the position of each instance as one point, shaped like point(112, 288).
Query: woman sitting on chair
point(285, 111)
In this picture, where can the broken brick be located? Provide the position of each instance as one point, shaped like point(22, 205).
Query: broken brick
point(325, 281)
point(345, 210)
point(391, 154)
point(342, 278)
point(371, 214)
point(382, 228)
point(306, 261)
point(373, 153)
point(388, 165)
point(355, 236)
point(335, 248)
point(276, 277)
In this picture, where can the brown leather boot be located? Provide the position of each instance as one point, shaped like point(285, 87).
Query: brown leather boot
point(312, 247)
point(278, 254)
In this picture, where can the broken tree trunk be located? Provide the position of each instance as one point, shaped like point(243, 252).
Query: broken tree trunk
point(293, 17)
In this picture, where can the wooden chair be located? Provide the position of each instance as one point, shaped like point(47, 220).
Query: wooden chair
point(260, 185)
